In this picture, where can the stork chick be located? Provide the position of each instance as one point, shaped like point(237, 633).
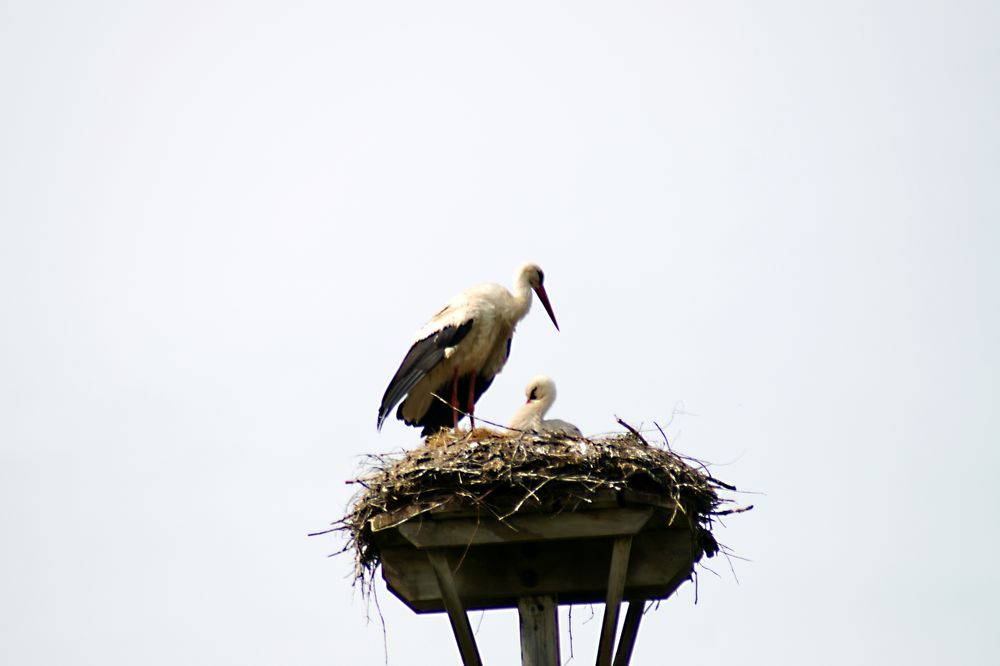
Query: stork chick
point(541, 393)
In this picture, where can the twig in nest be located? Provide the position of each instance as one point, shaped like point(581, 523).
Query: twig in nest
point(632, 430)
point(666, 441)
point(470, 417)
point(465, 552)
point(721, 483)
point(531, 493)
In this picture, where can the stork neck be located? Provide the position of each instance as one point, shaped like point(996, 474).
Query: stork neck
point(522, 300)
point(544, 405)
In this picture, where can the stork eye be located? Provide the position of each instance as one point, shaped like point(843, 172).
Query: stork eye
point(534, 394)
point(541, 276)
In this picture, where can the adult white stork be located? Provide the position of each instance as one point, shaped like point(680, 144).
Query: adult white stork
point(541, 393)
point(459, 352)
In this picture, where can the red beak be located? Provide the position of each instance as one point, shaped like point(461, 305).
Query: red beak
point(544, 298)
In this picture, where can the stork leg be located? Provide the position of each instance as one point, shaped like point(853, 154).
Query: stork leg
point(472, 401)
point(454, 398)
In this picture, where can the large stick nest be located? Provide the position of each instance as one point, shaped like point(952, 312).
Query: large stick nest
point(499, 475)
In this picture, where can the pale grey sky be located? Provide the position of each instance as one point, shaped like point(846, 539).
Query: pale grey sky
point(221, 222)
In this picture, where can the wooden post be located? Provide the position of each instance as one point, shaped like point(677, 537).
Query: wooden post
point(623, 655)
point(539, 618)
point(616, 589)
point(456, 612)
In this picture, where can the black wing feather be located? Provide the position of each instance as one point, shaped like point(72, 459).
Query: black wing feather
point(420, 360)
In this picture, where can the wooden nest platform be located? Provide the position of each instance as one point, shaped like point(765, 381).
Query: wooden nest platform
point(536, 504)
point(481, 520)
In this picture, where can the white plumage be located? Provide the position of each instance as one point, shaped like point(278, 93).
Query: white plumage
point(459, 351)
point(541, 393)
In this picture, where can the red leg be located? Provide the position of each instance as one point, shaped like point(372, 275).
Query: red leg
point(472, 402)
point(454, 397)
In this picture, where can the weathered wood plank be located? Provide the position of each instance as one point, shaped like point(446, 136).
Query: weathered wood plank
point(630, 629)
point(531, 527)
point(616, 588)
point(494, 576)
point(456, 612)
point(539, 621)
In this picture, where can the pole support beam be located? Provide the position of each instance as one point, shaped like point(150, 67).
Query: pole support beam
point(456, 611)
point(616, 589)
point(630, 629)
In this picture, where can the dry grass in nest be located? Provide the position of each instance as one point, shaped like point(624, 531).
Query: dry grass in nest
point(498, 475)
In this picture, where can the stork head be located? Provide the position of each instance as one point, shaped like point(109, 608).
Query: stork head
point(541, 390)
point(533, 276)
